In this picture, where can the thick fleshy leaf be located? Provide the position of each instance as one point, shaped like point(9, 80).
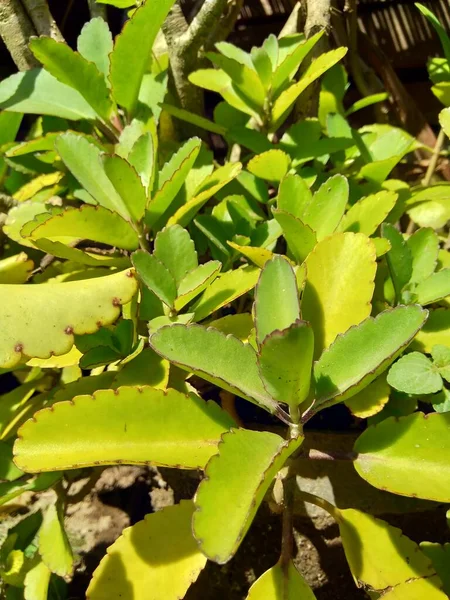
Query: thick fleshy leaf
point(435, 331)
point(258, 256)
point(37, 92)
point(285, 361)
point(218, 81)
point(277, 287)
point(417, 589)
point(327, 207)
point(83, 160)
point(366, 215)
point(127, 65)
point(415, 374)
point(280, 583)
point(195, 282)
point(271, 165)
point(134, 425)
point(72, 69)
point(95, 43)
point(222, 360)
point(171, 179)
point(439, 554)
point(409, 456)
point(37, 581)
point(339, 286)
point(18, 216)
point(158, 558)
point(358, 356)
point(434, 288)
point(79, 256)
point(424, 248)
point(54, 547)
point(209, 187)
point(155, 276)
point(15, 269)
point(127, 184)
point(398, 258)
point(143, 157)
point(175, 249)
point(226, 288)
point(236, 481)
point(239, 325)
point(294, 195)
point(300, 238)
point(379, 555)
point(444, 120)
point(56, 311)
point(371, 400)
point(88, 222)
point(287, 98)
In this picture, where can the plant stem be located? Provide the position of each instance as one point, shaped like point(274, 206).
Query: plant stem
point(15, 30)
point(314, 454)
point(97, 10)
point(42, 19)
point(320, 502)
point(287, 535)
point(434, 158)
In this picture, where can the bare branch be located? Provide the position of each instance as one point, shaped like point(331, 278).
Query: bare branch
point(42, 19)
point(97, 10)
point(206, 19)
point(15, 30)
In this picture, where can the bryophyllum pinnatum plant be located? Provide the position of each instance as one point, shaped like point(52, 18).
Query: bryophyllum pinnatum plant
point(152, 297)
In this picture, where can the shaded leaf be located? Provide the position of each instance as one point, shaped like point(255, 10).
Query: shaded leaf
point(134, 425)
point(300, 238)
point(155, 276)
point(407, 456)
point(439, 554)
point(195, 282)
point(424, 248)
point(54, 547)
point(127, 184)
point(235, 484)
point(175, 249)
point(434, 288)
point(398, 258)
point(155, 558)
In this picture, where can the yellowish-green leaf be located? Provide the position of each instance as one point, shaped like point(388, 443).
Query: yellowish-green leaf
point(235, 484)
point(435, 331)
point(417, 589)
point(37, 581)
point(280, 583)
point(72, 69)
point(175, 249)
point(371, 399)
point(294, 195)
point(444, 120)
point(226, 288)
point(271, 165)
point(195, 282)
point(367, 214)
point(15, 269)
point(325, 211)
point(258, 256)
point(76, 255)
point(156, 558)
point(88, 222)
point(239, 325)
point(31, 188)
point(95, 43)
point(38, 320)
point(339, 286)
point(155, 276)
point(409, 456)
point(218, 81)
point(300, 238)
point(439, 554)
point(133, 425)
point(18, 216)
point(57, 362)
point(54, 547)
point(127, 184)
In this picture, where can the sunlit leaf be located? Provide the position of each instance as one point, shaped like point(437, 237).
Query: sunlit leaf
point(95, 43)
point(370, 400)
point(367, 214)
point(415, 374)
point(155, 276)
point(271, 165)
point(15, 269)
point(54, 547)
point(300, 238)
point(127, 184)
point(280, 583)
point(175, 249)
point(327, 207)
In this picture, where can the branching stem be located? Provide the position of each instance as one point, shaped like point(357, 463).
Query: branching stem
point(434, 158)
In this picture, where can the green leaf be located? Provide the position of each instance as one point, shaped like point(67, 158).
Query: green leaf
point(222, 360)
point(424, 248)
point(134, 425)
point(294, 195)
point(417, 589)
point(284, 103)
point(195, 282)
point(143, 157)
point(369, 100)
point(56, 311)
point(129, 65)
point(439, 554)
point(88, 222)
point(434, 288)
point(83, 160)
point(366, 215)
point(72, 69)
point(37, 581)
point(235, 483)
point(189, 117)
point(226, 288)
point(95, 43)
point(171, 179)
point(444, 120)
point(155, 276)
point(155, 558)
point(245, 81)
point(12, 406)
point(15, 269)
point(408, 456)
point(358, 356)
point(8, 470)
point(300, 238)
point(339, 286)
point(371, 400)
point(127, 184)
point(37, 92)
point(218, 81)
point(441, 360)
point(175, 249)
point(277, 304)
point(279, 583)
point(285, 361)
point(379, 555)
point(415, 374)
point(445, 40)
point(54, 547)
point(430, 207)
point(327, 207)
point(209, 187)
point(398, 258)
point(271, 165)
